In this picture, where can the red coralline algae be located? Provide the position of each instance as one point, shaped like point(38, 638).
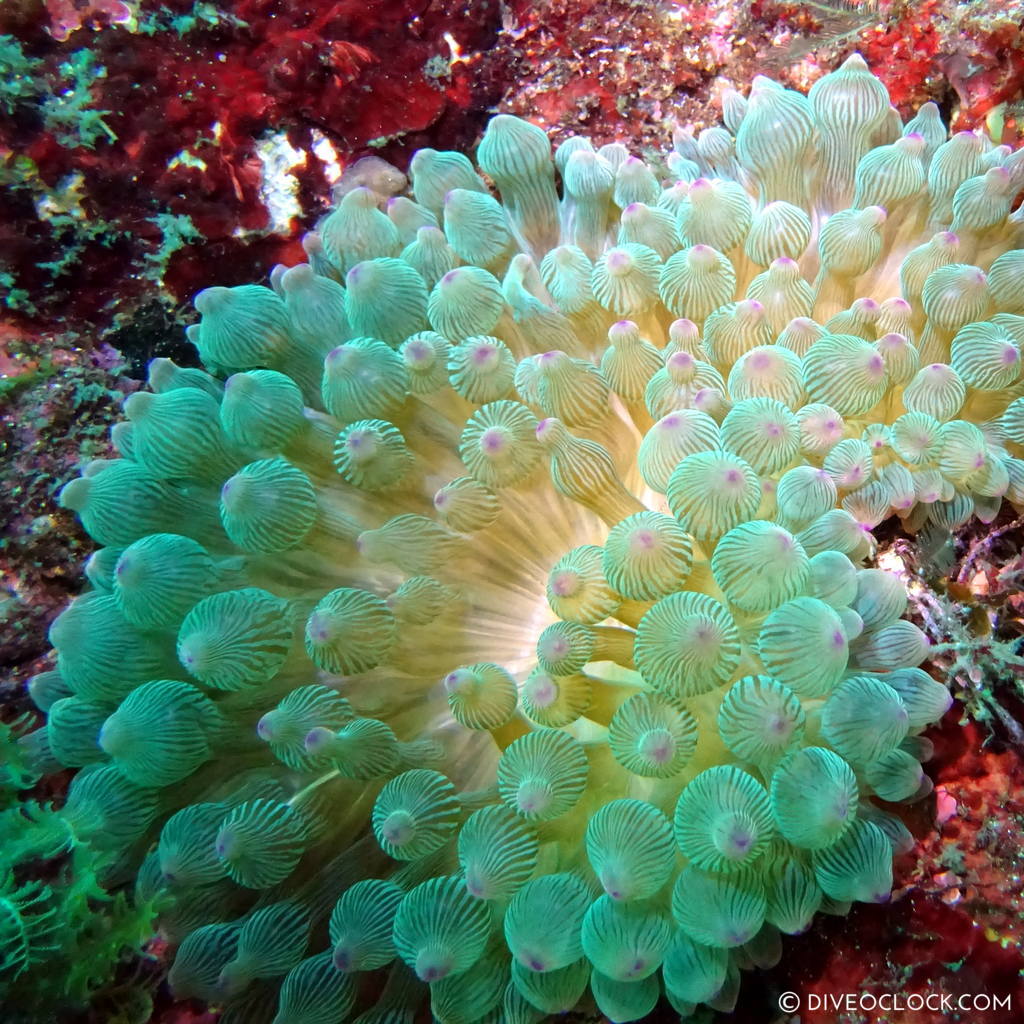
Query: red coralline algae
point(208, 114)
point(927, 47)
point(975, 861)
point(570, 60)
point(990, 73)
point(904, 51)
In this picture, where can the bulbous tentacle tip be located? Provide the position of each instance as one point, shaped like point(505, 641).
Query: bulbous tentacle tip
point(295, 279)
point(312, 245)
point(317, 741)
point(211, 299)
point(136, 406)
point(75, 494)
point(361, 197)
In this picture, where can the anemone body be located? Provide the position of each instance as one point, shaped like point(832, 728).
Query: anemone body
point(524, 556)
